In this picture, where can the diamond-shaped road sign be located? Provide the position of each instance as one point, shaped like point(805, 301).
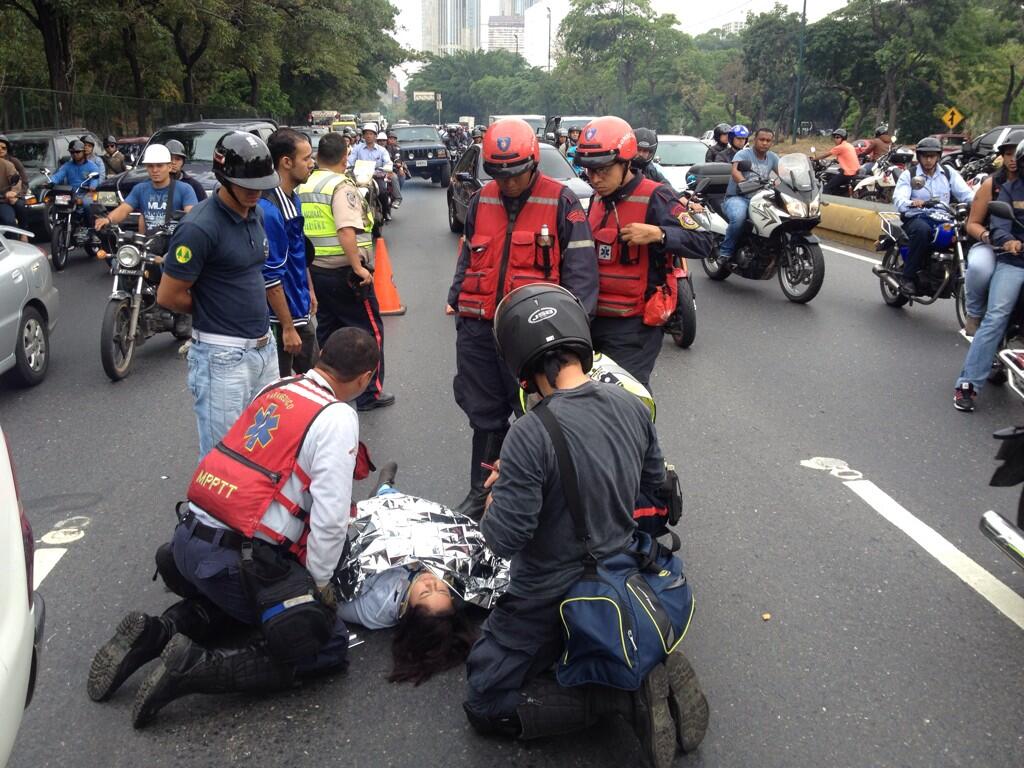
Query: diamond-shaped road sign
point(952, 117)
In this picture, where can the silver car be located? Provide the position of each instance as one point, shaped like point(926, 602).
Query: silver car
point(29, 306)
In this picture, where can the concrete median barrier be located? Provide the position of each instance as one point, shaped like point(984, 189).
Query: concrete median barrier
point(854, 222)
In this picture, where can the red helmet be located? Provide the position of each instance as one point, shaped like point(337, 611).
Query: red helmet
point(510, 148)
point(604, 141)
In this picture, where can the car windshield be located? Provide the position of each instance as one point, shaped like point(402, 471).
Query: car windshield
point(681, 152)
point(552, 164)
point(796, 170)
point(574, 122)
point(199, 143)
point(30, 152)
point(415, 133)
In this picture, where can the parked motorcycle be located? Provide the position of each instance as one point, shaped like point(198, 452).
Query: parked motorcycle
point(68, 221)
point(682, 326)
point(942, 275)
point(132, 314)
point(777, 237)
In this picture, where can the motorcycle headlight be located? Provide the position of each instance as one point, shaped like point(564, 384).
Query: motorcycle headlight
point(128, 256)
point(794, 207)
point(815, 207)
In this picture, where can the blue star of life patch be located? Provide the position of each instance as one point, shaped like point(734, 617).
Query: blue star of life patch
point(261, 431)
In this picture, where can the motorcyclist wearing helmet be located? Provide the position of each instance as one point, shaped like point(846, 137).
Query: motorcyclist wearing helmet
point(478, 134)
point(646, 149)
point(521, 228)
point(923, 181)
point(636, 223)
point(1004, 289)
point(562, 140)
point(381, 157)
point(542, 334)
point(881, 144)
point(762, 163)
point(846, 155)
point(214, 271)
point(393, 148)
point(112, 157)
point(721, 137)
point(75, 172)
point(570, 152)
point(452, 142)
point(90, 154)
point(150, 198)
point(178, 159)
point(738, 136)
point(15, 194)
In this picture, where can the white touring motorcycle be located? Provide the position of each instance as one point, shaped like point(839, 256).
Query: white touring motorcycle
point(777, 236)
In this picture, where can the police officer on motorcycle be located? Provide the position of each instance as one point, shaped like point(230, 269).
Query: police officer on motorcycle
point(721, 137)
point(636, 222)
point(521, 228)
point(923, 181)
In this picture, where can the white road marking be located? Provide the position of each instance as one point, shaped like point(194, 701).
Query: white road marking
point(43, 563)
point(1002, 598)
point(851, 254)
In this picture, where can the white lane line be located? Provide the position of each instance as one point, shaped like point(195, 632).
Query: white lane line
point(1002, 598)
point(43, 563)
point(851, 254)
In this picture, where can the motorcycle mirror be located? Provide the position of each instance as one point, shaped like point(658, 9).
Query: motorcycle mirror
point(702, 184)
point(917, 182)
point(464, 176)
point(93, 175)
point(744, 166)
point(1000, 209)
point(657, 159)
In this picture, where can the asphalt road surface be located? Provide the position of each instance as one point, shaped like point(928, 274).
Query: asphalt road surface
point(826, 633)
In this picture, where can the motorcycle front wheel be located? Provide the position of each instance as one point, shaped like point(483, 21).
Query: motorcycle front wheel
point(802, 270)
point(713, 266)
point(117, 350)
point(60, 246)
point(892, 296)
point(684, 328)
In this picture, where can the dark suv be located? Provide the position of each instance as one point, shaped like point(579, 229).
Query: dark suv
point(424, 153)
point(47, 148)
point(199, 139)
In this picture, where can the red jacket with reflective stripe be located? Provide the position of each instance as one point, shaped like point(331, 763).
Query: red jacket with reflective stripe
point(622, 269)
point(504, 255)
point(238, 480)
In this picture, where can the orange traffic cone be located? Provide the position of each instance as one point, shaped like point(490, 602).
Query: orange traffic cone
point(384, 282)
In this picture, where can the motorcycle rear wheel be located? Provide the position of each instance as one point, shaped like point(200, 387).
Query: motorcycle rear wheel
point(59, 246)
point(713, 267)
point(893, 262)
point(802, 270)
point(116, 351)
point(684, 329)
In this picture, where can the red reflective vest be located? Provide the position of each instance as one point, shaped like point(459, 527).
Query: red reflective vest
point(622, 269)
point(504, 255)
point(246, 471)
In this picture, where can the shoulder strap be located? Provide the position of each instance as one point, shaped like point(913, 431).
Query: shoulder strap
point(566, 468)
point(169, 208)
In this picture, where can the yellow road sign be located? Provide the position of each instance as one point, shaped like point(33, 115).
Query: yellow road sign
point(952, 117)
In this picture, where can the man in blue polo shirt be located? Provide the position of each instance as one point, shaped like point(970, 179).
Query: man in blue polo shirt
point(289, 285)
point(214, 271)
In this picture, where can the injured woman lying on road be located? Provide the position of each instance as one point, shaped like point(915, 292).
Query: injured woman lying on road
point(415, 565)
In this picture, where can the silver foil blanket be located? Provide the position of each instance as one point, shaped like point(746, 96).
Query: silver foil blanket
point(395, 529)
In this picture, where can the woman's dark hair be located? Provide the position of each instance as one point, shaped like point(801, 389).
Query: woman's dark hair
point(427, 643)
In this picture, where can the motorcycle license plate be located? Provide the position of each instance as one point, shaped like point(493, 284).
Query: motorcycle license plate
point(62, 199)
point(421, 163)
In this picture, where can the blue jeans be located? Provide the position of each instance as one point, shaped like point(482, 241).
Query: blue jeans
point(223, 380)
point(981, 261)
point(736, 211)
point(1003, 291)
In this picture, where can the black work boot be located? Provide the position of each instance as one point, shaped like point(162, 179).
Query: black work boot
point(140, 638)
point(652, 719)
point(186, 668)
point(486, 448)
point(686, 702)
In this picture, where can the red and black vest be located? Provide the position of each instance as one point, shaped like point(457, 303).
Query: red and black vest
point(622, 269)
point(246, 471)
point(503, 254)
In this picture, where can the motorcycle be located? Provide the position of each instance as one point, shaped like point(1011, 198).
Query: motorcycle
point(879, 184)
point(942, 276)
point(825, 169)
point(682, 326)
point(132, 314)
point(777, 235)
point(375, 186)
point(68, 222)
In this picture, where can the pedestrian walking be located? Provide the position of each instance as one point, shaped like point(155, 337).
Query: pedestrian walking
point(214, 271)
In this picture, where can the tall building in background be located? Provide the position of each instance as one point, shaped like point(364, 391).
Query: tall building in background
point(505, 33)
point(535, 44)
point(451, 25)
point(514, 7)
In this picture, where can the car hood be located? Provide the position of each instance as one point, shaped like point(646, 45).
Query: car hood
point(581, 189)
point(421, 144)
point(676, 175)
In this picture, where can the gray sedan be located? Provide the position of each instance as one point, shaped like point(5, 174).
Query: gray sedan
point(29, 306)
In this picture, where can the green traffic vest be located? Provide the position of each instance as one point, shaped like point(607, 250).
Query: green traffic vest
point(316, 195)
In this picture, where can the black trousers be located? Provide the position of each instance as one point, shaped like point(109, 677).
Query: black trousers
point(484, 387)
point(340, 306)
point(628, 342)
point(306, 357)
point(839, 184)
point(919, 232)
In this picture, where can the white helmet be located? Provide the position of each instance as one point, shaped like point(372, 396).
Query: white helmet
point(370, 127)
point(155, 154)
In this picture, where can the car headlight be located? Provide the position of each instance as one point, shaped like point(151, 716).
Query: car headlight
point(794, 207)
point(411, 155)
point(430, 155)
point(107, 198)
point(128, 256)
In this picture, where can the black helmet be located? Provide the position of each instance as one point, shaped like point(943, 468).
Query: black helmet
point(539, 317)
point(76, 146)
point(928, 144)
point(478, 132)
point(841, 133)
point(721, 129)
point(1012, 138)
point(881, 129)
point(646, 138)
point(87, 139)
point(109, 140)
point(1019, 153)
point(175, 147)
point(244, 160)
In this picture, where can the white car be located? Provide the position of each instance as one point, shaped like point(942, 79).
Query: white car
point(676, 154)
point(22, 611)
point(29, 304)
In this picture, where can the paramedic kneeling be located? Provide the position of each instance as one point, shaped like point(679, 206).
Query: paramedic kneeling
point(265, 529)
point(543, 334)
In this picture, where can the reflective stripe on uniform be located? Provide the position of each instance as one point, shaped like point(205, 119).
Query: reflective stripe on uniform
point(491, 200)
point(637, 199)
point(579, 244)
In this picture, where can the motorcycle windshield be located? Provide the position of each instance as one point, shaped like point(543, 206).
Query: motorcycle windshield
point(796, 171)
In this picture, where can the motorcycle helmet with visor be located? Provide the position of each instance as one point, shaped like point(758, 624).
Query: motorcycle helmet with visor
point(244, 160)
point(510, 148)
point(721, 130)
point(739, 131)
point(177, 149)
point(605, 140)
point(841, 133)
